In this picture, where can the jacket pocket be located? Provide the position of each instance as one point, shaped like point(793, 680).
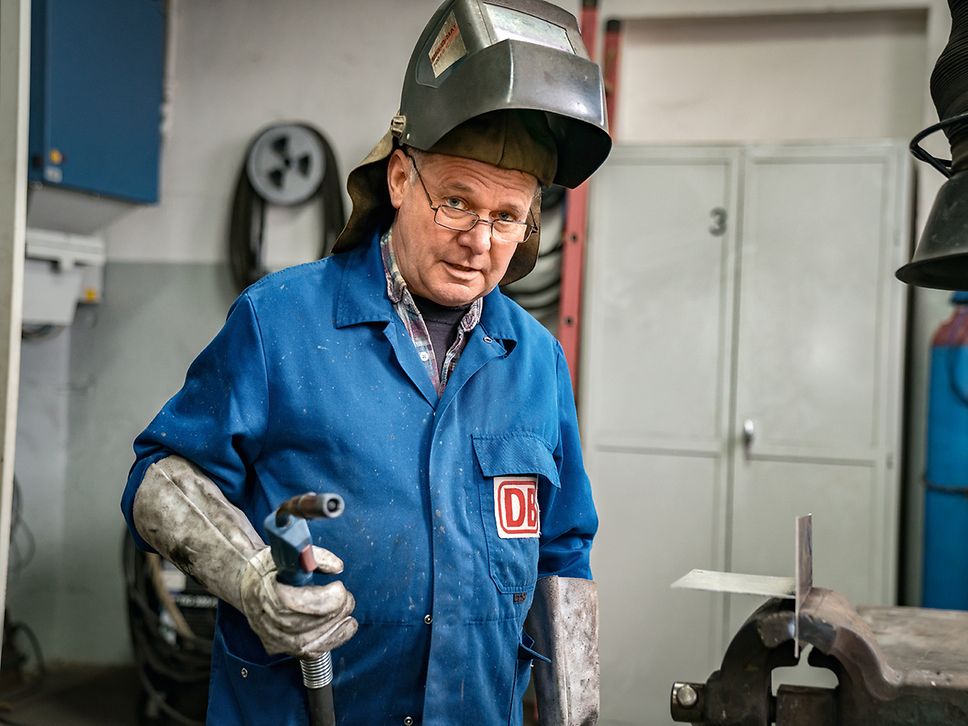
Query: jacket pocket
point(256, 690)
point(515, 469)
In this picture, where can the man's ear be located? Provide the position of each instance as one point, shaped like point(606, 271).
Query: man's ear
point(398, 172)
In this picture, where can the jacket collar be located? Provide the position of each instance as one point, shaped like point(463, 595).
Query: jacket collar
point(363, 287)
point(496, 317)
point(363, 295)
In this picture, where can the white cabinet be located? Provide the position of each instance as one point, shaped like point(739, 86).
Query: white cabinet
point(728, 285)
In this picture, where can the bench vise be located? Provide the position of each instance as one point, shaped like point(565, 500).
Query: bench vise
point(895, 666)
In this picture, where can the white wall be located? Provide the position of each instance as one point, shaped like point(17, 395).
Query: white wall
point(754, 78)
point(240, 65)
point(41, 471)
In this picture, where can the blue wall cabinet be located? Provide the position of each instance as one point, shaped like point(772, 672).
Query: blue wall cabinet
point(96, 83)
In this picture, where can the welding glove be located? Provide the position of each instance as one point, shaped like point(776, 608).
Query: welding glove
point(185, 517)
point(563, 621)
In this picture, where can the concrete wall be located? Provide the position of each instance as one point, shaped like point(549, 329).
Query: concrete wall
point(85, 394)
point(235, 66)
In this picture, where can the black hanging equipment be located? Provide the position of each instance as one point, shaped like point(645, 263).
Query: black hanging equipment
point(540, 292)
point(287, 165)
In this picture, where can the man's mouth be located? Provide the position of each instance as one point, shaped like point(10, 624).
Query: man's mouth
point(461, 269)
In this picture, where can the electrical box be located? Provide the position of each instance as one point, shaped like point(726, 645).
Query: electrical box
point(60, 271)
point(96, 91)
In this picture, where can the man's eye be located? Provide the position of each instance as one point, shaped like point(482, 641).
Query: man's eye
point(507, 217)
point(455, 202)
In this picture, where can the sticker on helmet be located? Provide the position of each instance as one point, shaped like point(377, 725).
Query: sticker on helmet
point(448, 48)
point(516, 25)
point(516, 506)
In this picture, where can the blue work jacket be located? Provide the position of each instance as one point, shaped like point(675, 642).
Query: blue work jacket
point(314, 385)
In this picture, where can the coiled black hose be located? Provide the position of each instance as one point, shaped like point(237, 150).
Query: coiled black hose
point(949, 79)
point(247, 223)
point(540, 296)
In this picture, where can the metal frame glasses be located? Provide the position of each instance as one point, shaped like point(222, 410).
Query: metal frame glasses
point(503, 231)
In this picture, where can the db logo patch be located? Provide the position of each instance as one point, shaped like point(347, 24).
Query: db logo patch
point(516, 506)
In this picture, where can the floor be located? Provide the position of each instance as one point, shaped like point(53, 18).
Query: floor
point(73, 696)
point(89, 696)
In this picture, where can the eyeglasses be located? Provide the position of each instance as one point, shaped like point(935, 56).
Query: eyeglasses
point(503, 231)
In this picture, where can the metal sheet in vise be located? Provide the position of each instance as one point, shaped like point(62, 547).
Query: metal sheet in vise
point(736, 583)
point(803, 572)
point(795, 588)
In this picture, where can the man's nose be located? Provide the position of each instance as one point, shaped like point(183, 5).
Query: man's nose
point(478, 237)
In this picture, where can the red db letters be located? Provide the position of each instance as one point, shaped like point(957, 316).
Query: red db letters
point(516, 506)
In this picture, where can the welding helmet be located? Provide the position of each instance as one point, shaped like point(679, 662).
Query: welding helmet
point(505, 82)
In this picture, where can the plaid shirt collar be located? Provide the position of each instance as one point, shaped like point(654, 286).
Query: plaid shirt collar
point(413, 321)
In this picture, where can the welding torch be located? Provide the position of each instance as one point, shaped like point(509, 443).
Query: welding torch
point(292, 552)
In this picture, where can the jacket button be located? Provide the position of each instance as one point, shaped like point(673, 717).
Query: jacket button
point(244, 672)
point(408, 721)
point(428, 619)
point(488, 339)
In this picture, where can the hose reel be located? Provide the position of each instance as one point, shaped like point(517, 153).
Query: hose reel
point(285, 165)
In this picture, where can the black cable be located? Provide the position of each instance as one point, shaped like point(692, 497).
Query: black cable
point(552, 198)
point(18, 560)
point(247, 222)
point(320, 701)
point(40, 332)
point(173, 667)
point(922, 154)
point(530, 291)
point(34, 643)
point(959, 489)
point(542, 308)
point(556, 250)
point(523, 297)
point(11, 629)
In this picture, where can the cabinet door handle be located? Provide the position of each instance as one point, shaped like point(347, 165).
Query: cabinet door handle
point(749, 433)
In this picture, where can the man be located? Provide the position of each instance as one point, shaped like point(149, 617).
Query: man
point(396, 374)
